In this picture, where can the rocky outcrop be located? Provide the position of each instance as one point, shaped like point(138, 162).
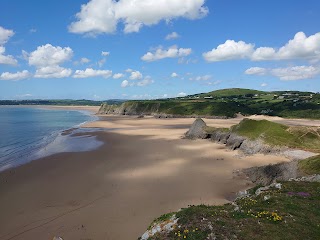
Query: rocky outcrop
point(231, 140)
point(108, 109)
point(271, 173)
point(197, 130)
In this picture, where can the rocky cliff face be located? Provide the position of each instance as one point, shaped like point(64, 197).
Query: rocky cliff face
point(130, 108)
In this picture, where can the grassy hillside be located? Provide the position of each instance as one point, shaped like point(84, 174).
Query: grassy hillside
point(231, 92)
point(229, 102)
point(289, 213)
point(307, 138)
point(310, 166)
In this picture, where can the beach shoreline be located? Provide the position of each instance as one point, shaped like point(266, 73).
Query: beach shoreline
point(142, 170)
point(37, 149)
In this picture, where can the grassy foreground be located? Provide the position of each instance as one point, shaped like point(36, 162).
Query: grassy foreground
point(289, 213)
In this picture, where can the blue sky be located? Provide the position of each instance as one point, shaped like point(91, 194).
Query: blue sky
point(156, 48)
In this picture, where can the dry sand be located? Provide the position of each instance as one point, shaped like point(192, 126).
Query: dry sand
point(143, 170)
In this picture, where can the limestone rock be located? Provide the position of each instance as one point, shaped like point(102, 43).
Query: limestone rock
point(197, 130)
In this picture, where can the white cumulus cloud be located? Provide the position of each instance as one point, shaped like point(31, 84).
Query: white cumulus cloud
point(256, 71)
point(201, 78)
point(53, 71)
point(47, 60)
point(300, 47)
point(15, 76)
point(48, 55)
point(105, 53)
point(103, 16)
point(89, 72)
point(145, 82)
point(181, 94)
point(174, 75)
point(172, 35)
point(172, 52)
point(229, 50)
point(296, 73)
point(136, 75)
point(5, 35)
point(118, 75)
point(125, 83)
point(287, 73)
point(84, 60)
point(6, 59)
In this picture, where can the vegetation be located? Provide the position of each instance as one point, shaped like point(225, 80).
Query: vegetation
point(229, 102)
point(289, 213)
point(275, 134)
point(310, 166)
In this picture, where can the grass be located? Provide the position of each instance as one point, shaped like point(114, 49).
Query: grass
point(275, 134)
point(310, 166)
point(229, 102)
point(291, 213)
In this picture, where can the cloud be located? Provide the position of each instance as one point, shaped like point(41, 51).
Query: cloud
point(6, 59)
point(182, 94)
point(105, 53)
point(32, 30)
point(229, 50)
point(201, 78)
point(53, 71)
point(256, 71)
point(129, 70)
point(172, 35)
point(135, 75)
point(101, 62)
point(48, 55)
point(125, 83)
point(174, 75)
point(118, 75)
point(172, 52)
point(97, 16)
point(300, 47)
point(288, 73)
point(84, 60)
point(141, 83)
point(264, 84)
point(15, 76)
point(296, 73)
point(47, 60)
point(89, 72)
point(5, 35)
point(145, 82)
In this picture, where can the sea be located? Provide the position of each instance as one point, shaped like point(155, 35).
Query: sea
point(29, 133)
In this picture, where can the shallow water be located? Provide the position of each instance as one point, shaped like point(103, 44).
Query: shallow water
point(25, 132)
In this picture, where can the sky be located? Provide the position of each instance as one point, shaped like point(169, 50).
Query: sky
point(146, 49)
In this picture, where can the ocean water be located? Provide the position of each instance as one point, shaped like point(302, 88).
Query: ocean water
point(29, 133)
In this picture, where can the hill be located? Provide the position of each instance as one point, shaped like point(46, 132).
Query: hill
point(228, 103)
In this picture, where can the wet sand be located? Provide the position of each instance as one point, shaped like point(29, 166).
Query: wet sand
point(144, 169)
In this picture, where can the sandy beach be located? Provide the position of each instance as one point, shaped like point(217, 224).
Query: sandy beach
point(143, 170)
